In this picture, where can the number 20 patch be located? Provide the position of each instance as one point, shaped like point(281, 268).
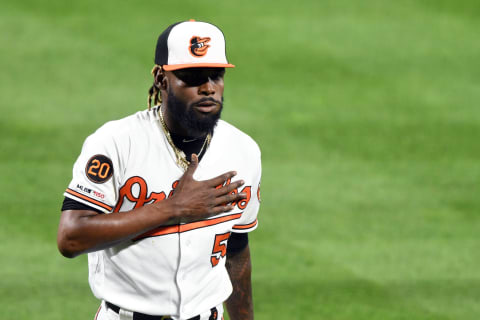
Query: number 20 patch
point(99, 168)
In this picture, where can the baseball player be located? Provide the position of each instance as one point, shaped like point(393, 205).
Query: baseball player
point(162, 200)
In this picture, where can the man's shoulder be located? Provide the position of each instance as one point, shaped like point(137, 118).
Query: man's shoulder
point(230, 133)
point(131, 125)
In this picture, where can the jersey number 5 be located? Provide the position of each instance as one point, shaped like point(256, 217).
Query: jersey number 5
point(219, 248)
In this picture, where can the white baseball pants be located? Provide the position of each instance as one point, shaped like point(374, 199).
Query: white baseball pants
point(105, 313)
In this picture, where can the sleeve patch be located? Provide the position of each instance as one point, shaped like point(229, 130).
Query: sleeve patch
point(99, 169)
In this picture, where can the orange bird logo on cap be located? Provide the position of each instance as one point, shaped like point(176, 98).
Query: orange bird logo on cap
point(199, 46)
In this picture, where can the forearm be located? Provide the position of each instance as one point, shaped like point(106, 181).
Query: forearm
point(240, 303)
point(86, 231)
point(82, 231)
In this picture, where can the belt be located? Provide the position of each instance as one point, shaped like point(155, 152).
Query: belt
point(143, 316)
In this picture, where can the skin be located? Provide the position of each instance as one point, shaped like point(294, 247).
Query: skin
point(240, 303)
point(83, 231)
point(192, 87)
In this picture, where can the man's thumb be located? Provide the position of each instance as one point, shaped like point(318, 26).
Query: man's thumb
point(193, 165)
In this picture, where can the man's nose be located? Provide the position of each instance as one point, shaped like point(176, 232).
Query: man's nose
point(207, 88)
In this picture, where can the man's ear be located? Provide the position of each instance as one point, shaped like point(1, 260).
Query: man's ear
point(161, 80)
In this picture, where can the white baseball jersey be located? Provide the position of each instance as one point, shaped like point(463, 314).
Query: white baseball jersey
point(176, 270)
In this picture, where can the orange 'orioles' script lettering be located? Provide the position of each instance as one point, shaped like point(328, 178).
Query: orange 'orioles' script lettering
point(141, 198)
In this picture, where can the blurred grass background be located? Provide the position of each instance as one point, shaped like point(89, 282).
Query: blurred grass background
point(367, 113)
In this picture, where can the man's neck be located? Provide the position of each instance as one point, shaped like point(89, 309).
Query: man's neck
point(189, 145)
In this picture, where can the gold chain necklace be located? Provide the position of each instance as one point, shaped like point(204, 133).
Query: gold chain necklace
point(179, 154)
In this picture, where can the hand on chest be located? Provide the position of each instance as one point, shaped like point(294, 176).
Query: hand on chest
point(145, 185)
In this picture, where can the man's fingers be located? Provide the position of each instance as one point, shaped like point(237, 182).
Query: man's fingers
point(233, 197)
point(229, 187)
point(218, 181)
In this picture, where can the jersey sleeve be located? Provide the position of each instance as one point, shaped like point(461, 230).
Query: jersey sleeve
point(96, 172)
point(248, 221)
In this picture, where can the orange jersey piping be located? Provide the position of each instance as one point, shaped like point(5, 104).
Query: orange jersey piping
point(88, 199)
point(188, 227)
point(245, 226)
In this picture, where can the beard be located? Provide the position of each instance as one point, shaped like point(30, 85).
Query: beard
point(186, 116)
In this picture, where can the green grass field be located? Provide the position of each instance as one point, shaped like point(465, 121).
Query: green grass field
point(367, 113)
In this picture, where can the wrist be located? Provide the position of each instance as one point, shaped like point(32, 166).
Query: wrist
point(168, 210)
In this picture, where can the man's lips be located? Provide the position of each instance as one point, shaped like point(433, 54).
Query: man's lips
point(206, 106)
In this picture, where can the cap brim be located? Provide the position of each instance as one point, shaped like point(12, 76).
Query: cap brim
point(173, 67)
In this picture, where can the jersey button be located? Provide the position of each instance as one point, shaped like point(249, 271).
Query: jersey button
point(187, 242)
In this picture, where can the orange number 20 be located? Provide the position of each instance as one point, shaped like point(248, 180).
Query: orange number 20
point(103, 169)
